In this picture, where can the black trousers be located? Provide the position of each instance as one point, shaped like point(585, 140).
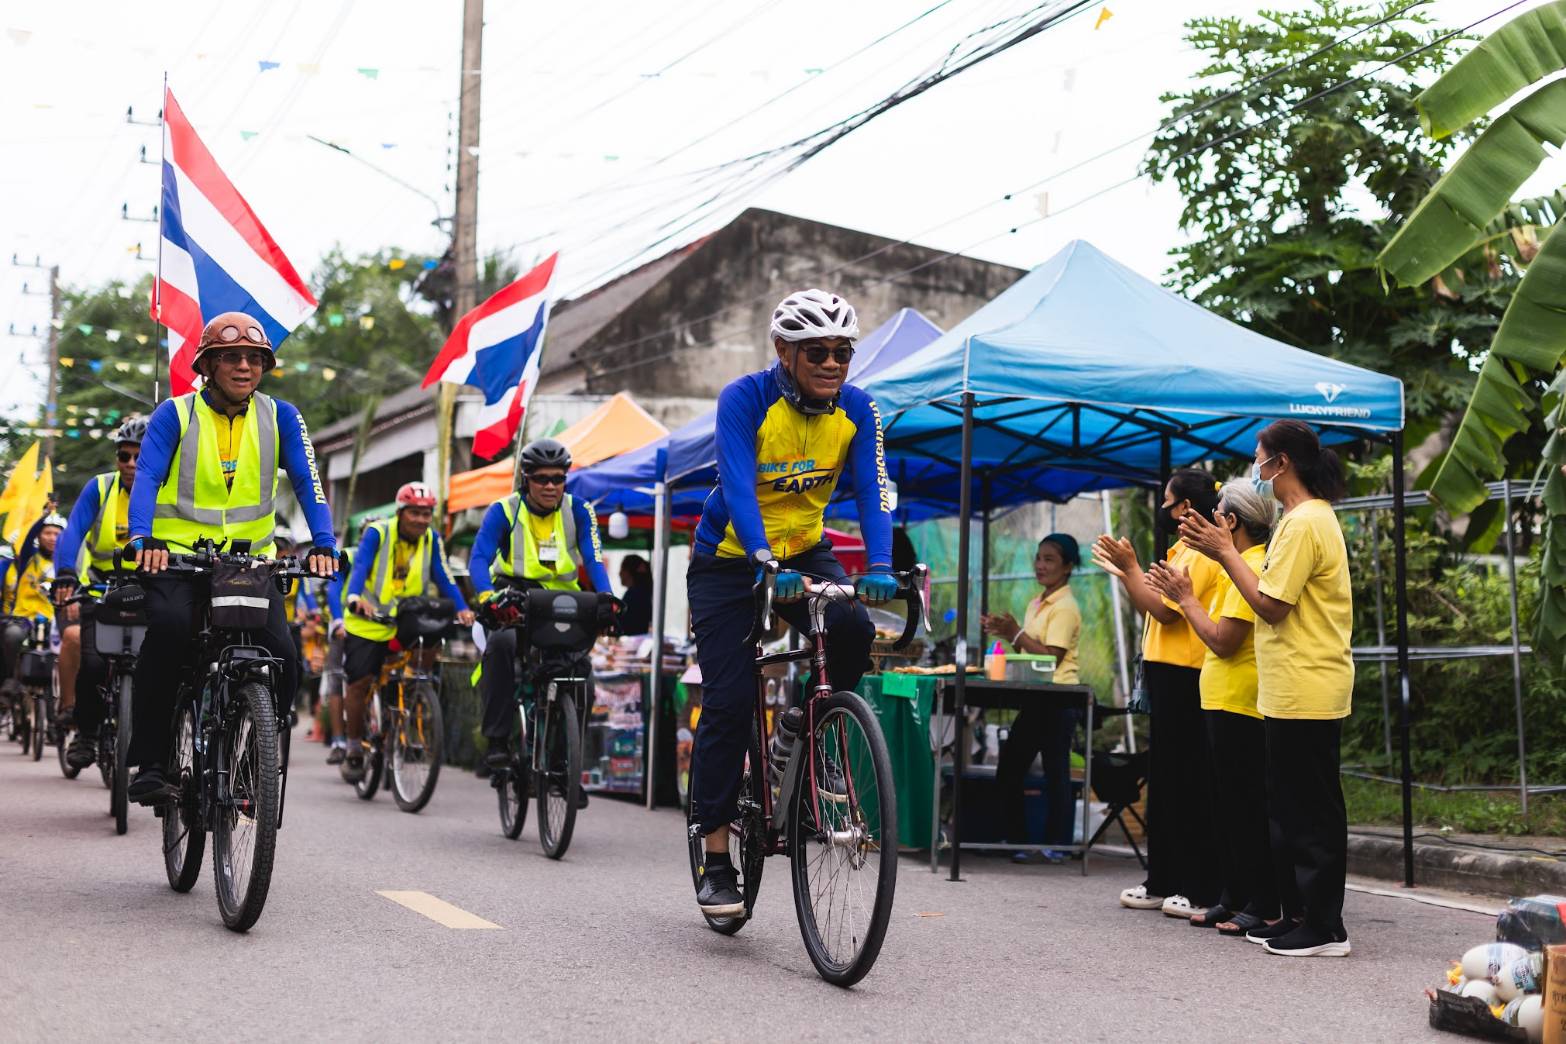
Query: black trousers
point(13, 631)
point(722, 609)
point(1239, 755)
point(1181, 856)
point(500, 683)
point(1309, 823)
point(1047, 731)
point(170, 650)
point(92, 673)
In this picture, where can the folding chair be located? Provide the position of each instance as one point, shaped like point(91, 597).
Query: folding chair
point(1118, 780)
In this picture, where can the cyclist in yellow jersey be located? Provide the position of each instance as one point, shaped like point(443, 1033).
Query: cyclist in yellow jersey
point(98, 526)
point(26, 597)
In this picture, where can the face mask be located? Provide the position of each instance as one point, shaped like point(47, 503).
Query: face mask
point(1263, 486)
point(1168, 521)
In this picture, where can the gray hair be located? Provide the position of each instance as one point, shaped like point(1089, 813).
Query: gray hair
point(1257, 513)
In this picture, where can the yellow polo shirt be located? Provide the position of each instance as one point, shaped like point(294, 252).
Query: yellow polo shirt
point(1229, 684)
point(1176, 643)
point(1056, 620)
point(1305, 666)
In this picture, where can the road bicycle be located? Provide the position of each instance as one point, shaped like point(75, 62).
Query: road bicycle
point(555, 634)
point(403, 731)
point(229, 771)
point(841, 841)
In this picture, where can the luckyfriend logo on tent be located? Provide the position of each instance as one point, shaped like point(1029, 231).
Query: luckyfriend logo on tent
point(1330, 392)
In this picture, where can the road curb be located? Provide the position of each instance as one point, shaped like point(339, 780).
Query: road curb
point(1458, 867)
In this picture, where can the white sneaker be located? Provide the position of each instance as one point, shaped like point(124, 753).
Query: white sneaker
point(1178, 906)
point(1138, 899)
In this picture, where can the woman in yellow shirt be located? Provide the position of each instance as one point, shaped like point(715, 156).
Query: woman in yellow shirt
point(1050, 627)
point(1304, 615)
point(1182, 861)
point(1236, 737)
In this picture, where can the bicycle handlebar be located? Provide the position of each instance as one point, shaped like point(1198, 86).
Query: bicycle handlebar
point(910, 585)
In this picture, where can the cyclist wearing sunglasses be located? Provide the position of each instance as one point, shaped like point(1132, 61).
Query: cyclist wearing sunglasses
point(785, 437)
point(209, 469)
point(98, 526)
point(538, 537)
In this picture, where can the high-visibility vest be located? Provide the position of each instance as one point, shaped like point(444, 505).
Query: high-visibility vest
point(194, 501)
point(559, 575)
point(104, 535)
point(382, 589)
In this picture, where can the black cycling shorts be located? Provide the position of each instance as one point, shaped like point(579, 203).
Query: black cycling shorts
point(362, 657)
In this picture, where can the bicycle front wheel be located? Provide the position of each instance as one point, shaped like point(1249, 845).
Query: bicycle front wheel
point(511, 785)
point(415, 748)
point(559, 774)
point(40, 725)
point(184, 835)
point(843, 839)
point(119, 793)
point(244, 829)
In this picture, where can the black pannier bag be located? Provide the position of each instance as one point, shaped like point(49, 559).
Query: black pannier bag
point(423, 619)
point(118, 621)
point(241, 596)
point(562, 619)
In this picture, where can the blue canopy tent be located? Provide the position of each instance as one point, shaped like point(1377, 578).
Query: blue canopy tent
point(1085, 372)
point(672, 477)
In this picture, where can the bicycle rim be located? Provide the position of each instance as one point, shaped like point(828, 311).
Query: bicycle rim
point(373, 762)
point(40, 725)
point(559, 776)
point(416, 749)
point(843, 849)
point(119, 799)
point(244, 834)
point(184, 838)
point(511, 788)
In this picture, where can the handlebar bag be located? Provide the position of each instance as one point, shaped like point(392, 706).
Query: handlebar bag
point(562, 619)
point(423, 618)
point(241, 596)
point(36, 667)
point(117, 621)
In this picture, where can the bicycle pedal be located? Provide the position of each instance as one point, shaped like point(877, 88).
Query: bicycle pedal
point(160, 811)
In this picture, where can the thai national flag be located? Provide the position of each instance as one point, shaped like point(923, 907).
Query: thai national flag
point(215, 255)
point(495, 348)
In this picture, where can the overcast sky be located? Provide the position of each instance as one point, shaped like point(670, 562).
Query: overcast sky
point(580, 101)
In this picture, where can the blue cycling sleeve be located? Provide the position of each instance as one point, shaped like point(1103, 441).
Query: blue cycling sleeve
point(308, 598)
point(443, 581)
point(363, 556)
point(299, 461)
point(78, 528)
point(590, 547)
point(334, 596)
point(867, 461)
point(486, 545)
point(152, 467)
point(740, 414)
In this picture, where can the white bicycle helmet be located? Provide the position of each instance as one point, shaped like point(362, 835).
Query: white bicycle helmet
point(807, 314)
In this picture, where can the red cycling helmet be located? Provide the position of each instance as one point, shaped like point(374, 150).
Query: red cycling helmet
point(415, 494)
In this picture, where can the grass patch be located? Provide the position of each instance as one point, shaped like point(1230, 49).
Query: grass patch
point(1468, 812)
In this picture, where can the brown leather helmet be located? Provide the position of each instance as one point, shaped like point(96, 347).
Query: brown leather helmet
point(233, 330)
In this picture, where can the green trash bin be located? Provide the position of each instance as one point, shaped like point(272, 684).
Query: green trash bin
point(903, 703)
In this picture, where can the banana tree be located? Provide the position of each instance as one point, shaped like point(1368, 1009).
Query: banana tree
point(1469, 220)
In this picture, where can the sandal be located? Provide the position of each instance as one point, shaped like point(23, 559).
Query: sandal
point(1211, 916)
point(1240, 923)
point(1178, 906)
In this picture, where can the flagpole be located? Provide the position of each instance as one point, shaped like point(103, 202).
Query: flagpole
point(157, 286)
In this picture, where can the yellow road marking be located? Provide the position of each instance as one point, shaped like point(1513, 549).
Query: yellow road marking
point(437, 910)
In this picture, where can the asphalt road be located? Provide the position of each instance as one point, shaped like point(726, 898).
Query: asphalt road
point(608, 942)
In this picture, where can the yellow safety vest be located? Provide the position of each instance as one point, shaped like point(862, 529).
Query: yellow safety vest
point(29, 596)
point(558, 573)
point(382, 589)
point(106, 532)
point(194, 501)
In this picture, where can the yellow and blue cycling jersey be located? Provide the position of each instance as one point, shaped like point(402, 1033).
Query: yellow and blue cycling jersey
point(778, 469)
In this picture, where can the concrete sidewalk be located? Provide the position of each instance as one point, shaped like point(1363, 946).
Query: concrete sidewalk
point(1477, 863)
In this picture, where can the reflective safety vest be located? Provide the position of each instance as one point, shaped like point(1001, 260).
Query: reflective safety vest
point(194, 501)
point(106, 532)
point(382, 590)
point(29, 596)
point(553, 565)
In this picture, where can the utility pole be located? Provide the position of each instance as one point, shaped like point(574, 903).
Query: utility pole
point(52, 398)
point(465, 228)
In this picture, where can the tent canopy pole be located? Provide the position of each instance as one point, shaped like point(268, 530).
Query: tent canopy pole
point(959, 719)
point(661, 523)
point(1400, 580)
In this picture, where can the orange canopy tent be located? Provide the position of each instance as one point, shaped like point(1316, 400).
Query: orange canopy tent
point(616, 427)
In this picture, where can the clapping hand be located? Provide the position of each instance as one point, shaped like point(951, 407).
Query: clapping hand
point(1001, 625)
point(1173, 584)
point(1114, 556)
point(1212, 540)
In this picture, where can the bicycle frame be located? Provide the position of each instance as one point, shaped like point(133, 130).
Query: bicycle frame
point(408, 666)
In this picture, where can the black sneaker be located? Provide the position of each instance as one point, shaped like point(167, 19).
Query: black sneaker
point(81, 753)
point(719, 894)
point(497, 758)
point(353, 766)
point(1271, 931)
point(581, 797)
point(149, 787)
point(1306, 941)
point(336, 755)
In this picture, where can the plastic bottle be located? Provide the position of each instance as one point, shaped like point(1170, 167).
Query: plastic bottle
point(1532, 923)
point(1520, 976)
point(782, 746)
point(1486, 960)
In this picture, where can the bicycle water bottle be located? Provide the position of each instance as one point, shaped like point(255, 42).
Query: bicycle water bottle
point(783, 746)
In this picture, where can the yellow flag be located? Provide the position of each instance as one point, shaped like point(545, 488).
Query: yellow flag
point(18, 487)
point(30, 505)
point(1104, 15)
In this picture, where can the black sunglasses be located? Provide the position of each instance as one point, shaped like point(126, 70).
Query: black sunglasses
point(818, 354)
point(126, 456)
point(232, 357)
point(547, 480)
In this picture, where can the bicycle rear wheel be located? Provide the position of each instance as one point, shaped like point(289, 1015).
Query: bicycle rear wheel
point(747, 849)
point(374, 763)
point(119, 793)
point(843, 840)
point(559, 776)
point(415, 748)
point(511, 786)
point(62, 741)
point(40, 725)
point(184, 835)
point(244, 829)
